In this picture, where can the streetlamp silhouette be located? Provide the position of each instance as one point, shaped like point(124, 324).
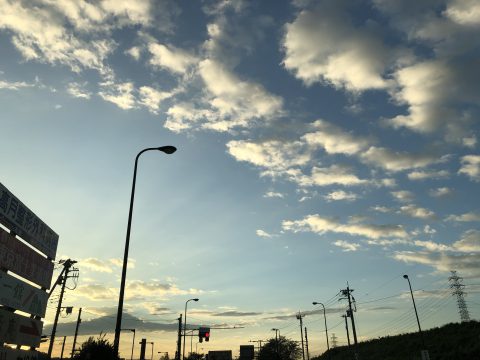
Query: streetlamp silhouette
point(167, 150)
point(185, 326)
point(133, 341)
point(325, 318)
point(415, 308)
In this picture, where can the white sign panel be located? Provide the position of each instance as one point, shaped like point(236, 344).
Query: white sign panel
point(21, 259)
point(21, 296)
point(23, 222)
point(19, 330)
point(16, 354)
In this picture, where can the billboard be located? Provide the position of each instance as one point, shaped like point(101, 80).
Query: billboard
point(23, 222)
point(20, 330)
point(21, 296)
point(24, 261)
point(247, 352)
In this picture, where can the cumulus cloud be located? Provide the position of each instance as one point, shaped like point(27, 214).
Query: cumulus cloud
point(334, 140)
point(340, 195)
point(440, 192)
point(170, 58)
point(151, 98)
point(78, 90)
point(417, 212)
point(347, 246)
point(403, 195)
point(471, 167)
point(467, 217)
point(470, 242)
point(424, 175)
point(323, 45)
point(273, 194)
point(321, 225)
point(120, 94)
point(14, 85)
point(263, 234)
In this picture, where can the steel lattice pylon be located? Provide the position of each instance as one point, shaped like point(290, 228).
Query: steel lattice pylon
point(457, 290)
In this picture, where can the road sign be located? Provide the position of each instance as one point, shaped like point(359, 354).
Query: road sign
point(23, 222)
point(21, 296)
point(20, 330)
point(24, 261)
point(7, 353)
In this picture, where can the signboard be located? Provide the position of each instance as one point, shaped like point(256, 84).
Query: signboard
point(23, 222)
point(220, 355)
point(7, 353)
point(24, 261)
point(20, 330)
point(21, 296)
point(247, 352)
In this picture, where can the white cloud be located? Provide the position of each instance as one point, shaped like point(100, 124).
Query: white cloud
point(440, 192)
point(471, 167)
point(340, 195)
point(423, 175)
point(15, 85)
point(334, 140)
point(273, 194)
point(417, 212)
point(403, 195)
point(467, 217)
point(264, 234)
point(121, 94)
point(95, 265)
point(134, 52)
point(470, 242)
point(347, 246)
point(333, 175)
point(323, 45)
point(78, 90)
point(397, 161)
point(170, 58)
point(464, 12)
point(321, 225)
point(184, 116)
point(151, 98)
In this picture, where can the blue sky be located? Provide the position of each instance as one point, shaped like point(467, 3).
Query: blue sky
point(319, 142)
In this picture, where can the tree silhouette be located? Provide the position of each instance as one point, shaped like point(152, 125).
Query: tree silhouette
point(97, 349)
point(283, 349)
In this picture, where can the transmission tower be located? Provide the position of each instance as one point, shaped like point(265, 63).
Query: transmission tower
point(457, 290)
point(333, 340)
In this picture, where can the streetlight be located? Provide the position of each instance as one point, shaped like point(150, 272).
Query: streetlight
point(277, 332)
point(325, 318)
point(167, 150)
point(415, 308)
point(185, 326)
point(133, 341)
point(151, 342)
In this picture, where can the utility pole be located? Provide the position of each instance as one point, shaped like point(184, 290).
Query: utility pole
point(67, 264)
point(79, 320)
point(300, 317)
point(346, 328)
point(179, 339)
point(347, 292)
point(259, 345)
point(306, 343)
point(63, 347)
point(457, 290)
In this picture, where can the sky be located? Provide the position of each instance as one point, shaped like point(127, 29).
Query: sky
point(319, 143)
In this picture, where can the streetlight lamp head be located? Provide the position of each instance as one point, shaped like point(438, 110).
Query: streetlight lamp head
point(314, 303)
point(167, 149)
point(405, 276)
point(195, 299)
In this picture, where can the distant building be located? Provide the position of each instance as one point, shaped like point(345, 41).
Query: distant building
point(247, 352)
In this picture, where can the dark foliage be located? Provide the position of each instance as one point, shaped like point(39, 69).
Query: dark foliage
point(287, 350)
point(449, 342)
point(96, 349)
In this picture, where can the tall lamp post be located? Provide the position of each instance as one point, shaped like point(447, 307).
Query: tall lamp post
point(151, 342)
point(133, 341)
point(167, 150)
point(325, 318)
point(185, 326)
point(277, 331)
point(415, 308)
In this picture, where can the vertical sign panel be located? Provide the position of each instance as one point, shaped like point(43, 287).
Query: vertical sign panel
point(20, 330)
point(24, 261)
point(21, 296)
point(23, 222)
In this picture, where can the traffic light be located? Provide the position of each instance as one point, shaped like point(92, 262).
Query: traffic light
point(204, 333)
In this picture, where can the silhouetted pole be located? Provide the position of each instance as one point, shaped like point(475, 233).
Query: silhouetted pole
point(79, 320)
point(118, 325)
point(415, 308)
point(179, 340)
point(306, 343)
point(276, 341)
point(325, 318)
point(185, 326)
point(63, 347)
point(133, 340)
point(66, 268)
point(299, 317)
point(346, 328)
